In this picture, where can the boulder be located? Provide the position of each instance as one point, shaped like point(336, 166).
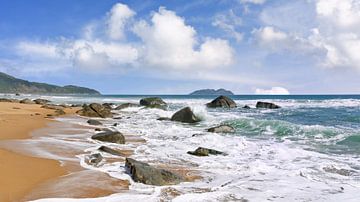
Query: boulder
point(126, 105)
point(52, 106)
point(94, 122)
point(147, 174)
point(94, 159)
point(222, 101)
point(185, 115)
point(153, 102)
point(221, 129)
point(27, 101)
point(110, 136)
point(110, 151)
point(95, 110)
point(108, 105)
point(267, 105)
point(201, 151)
point(41, 101)
point(246, 107)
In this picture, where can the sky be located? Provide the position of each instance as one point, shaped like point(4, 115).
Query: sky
point(178, 46)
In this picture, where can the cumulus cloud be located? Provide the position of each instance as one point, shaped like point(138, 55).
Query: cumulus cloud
point(116, 20)
point(170, 43)
point(270, 37)
point(272, 91)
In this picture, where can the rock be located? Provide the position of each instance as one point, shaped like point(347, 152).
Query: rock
point(153, 102)
point(41, 101)
point(267, 105)
point(110, 151)
point(126, 105)
point(164, 119)
point(221, 129)
point(94, 122)
point(94, 159)
point(201, 151)
point(103, 129)
point(9, 100)
point(17, 94)
point(341, 171)
point(246, 107)
point(27, 101)
point(95, 110)
point(51, 106)
point(185, 115)
point(115, 124)
point(222, 101)
point(108, 105)
point(147, 174)
point(110, 136)
point(59, 112)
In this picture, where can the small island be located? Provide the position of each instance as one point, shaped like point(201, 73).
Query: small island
point(220, 91)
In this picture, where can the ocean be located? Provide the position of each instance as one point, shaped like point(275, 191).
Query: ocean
point(309, 150)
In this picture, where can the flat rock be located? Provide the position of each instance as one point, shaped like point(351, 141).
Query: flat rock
point(147, 174)
point(9, 100)
point(27, 101)
point(222, 129)
point(267, 105)
point(164, 119)
point(94, 122)
point(110, 136)
point(40, 101)
point(201, 151)
point(110, 151)
point(222, 101)
point(126, 105)
point(185, 115)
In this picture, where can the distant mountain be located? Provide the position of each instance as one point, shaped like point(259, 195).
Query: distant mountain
point(10, 84)
point(220, 91)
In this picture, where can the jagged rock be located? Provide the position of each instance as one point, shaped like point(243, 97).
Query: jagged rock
point(222, 101)
point(246, 107)
point(147, 174)
point(27, 101)
point(94, 122)
point(222, 129)
point(110, 136)
point(185, 115)
point(126, 105)
point(267, 105)
point(110, 151)
point(41, 101)
point(153, 102)
point(94, 159)
point(201, 151)
point(95, 110)
point(164, 119)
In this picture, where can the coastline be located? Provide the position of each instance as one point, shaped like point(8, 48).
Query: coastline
point(21, 173)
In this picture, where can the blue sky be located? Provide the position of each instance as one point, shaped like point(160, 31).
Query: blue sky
point(175, 47)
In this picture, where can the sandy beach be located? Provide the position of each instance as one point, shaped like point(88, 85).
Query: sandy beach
point(20, 173)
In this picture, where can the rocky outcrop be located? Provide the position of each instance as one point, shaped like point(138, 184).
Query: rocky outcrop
point(110, 136)
point(267, 105)
point(201, 151)
point(147, 174)
point(185, 115)
point(110, 151)
point(27, 101)
point(94, 159)
point(222, 101)
point(94, 122)
point(153, 102)
point(221, 129)
point(95, 110)
point(41, 101)
point(126, 105)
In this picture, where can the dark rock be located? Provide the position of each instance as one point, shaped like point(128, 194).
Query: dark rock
point(103, 129)
point(27, 101)
point(95, 110)
point(246, 107)
point(201, 151)
point(153, 102)
point(147, 174)
point(185, 115)
point(222, 101)
point(94, 159)
point(110, 136)
point(94, 122)
point(17, 94)
point(51, 106)
point(9, 100)
point(126, 105)
point(115, 124)
point(267, 105)
point(59, 112)
point(164, 119)
point(41, 101)
point(341, 171)
point(110, 151)
point(108, 105)
point(221, 129)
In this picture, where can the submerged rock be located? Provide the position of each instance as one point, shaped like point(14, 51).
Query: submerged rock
point(222, 129)
point(41, 101)
point(267, 105)
point(222, 101)
point(201, 151)
point(147, 174)
point(110, 151)
point(185, 115)
point(27, 101)
point(341, 171)
point(246, 107)
point(110, 136)
point(95, 110)
point(94, 159)
point(94, 122)
point(153, 102)
point(126, 105)
point(163, 119)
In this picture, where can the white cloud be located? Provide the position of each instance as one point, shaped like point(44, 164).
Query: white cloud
point(170, 43)
point(116, 20)
point(229, 22)
point(272, 91)
point(253, 1)
point(271, 38)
